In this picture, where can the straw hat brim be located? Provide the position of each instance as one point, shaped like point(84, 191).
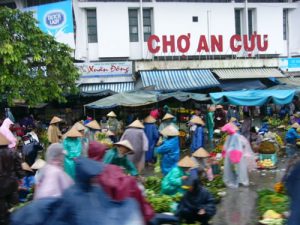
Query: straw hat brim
point(168, 116)
point(94, 125)
point(125, 144)
point(79, 126)
point(149, 119)
point(136, 124)
point(201, 153)
point(111, 114)
point(73, 133)
point(197, 120)
point(295, 125)
point(38, 164)
point(187, 162)
point(170, 131)
point(55, 119)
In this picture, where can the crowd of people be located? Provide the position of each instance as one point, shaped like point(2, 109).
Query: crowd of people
point(83, 181)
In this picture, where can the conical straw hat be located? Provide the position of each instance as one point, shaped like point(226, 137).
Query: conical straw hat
point(73, 133)
point(281, 127)
point(26, 167)
point(111, 114)
point(3, 140)
point(295, 125)
point(78, 126)
point(149, 119)
point(197, 120)
point(94, 125)
point(219, 107)
point(168, 116)
point(170, 131)
point(201, 153)
point(187, 162)
point(38, 164)
point(136, 124)
point(126, 144)
point(109, 133)
point(55, 119)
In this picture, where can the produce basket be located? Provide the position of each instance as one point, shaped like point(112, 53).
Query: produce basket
point(273, 157)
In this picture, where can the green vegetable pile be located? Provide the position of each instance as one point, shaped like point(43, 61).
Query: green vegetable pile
point(215, 187)
point(153, 183)
point(270, 200)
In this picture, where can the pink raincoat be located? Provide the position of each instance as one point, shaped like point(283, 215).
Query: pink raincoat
point(5, 131)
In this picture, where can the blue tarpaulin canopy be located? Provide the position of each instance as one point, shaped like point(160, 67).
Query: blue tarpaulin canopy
point(253, 97)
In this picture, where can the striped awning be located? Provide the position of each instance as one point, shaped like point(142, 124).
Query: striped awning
point(99, 88)
point(290, 80)
point(170, 80)
point(247, 73)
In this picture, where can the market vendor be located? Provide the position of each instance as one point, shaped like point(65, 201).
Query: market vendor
point(54, 134)
point(233, 112)
point(73, 147)
point(220, 117)
point(291, 139)
point(93, 128)
point(255, 139)
point(173, 181)
point(167, 120)
point(118, 156)
point(197, 204)
point(169, 149)
point(136, 136)
point(113, 123)
point(238, 155)
point(200, 157)
point(198, 136)
point(84, 140)
point(152, 134)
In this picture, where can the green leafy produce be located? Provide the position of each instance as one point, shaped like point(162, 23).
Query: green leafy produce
point(270, 200)
point(153, 183)
point(160, 203)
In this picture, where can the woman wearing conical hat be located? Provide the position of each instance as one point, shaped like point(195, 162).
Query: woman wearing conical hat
point(112, 122)
point(136, 136)
point(169, 149)
point(198, 136)
point(73, 147)
point(54, 134)
point(93, 129)
point(173, 181)
point(152, 134)
point(167, 120)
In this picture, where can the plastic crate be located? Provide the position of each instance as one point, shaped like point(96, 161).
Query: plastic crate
point(273, 157)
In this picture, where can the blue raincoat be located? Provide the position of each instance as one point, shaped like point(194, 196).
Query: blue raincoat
point(198, 139)
point(170, 152)
point(152, 134)
point(73, 147)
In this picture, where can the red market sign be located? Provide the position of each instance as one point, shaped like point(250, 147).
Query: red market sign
point(215, 43)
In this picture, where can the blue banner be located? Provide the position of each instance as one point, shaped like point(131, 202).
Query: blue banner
point(56, 19)
point(289, 64)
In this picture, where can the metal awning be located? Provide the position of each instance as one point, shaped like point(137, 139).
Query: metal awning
point(245, 84)
point(247, 73)
point(171, 80)
point(290, 80)
point(100, 88)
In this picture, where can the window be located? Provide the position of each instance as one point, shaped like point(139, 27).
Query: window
point(92, 25)
point(133, 25)
point(250, 22)
point(237, 15)
point(195, 19)
point(147, 18)
point(285, 23)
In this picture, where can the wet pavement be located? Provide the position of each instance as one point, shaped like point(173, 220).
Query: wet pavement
point(238, 207)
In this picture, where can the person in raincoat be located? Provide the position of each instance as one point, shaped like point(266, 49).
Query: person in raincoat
point(117, 184)
point(152, 134)
point(220, 117)
point(113, 123)
point(238, 157)
point(73, 147)
point(54, 134)
point(173, 181)
point(198, 136)
point(136, 136)
point(169, 149)
point(84, 140)
point(210, 122)
point(52, 179)
point(200, 157)
point(292, 185)
point(5, 131)
point(93, 128)
point(197, 204)
point(291, 139)
point(167, 120)
point(10, 172)
point(118, 156)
